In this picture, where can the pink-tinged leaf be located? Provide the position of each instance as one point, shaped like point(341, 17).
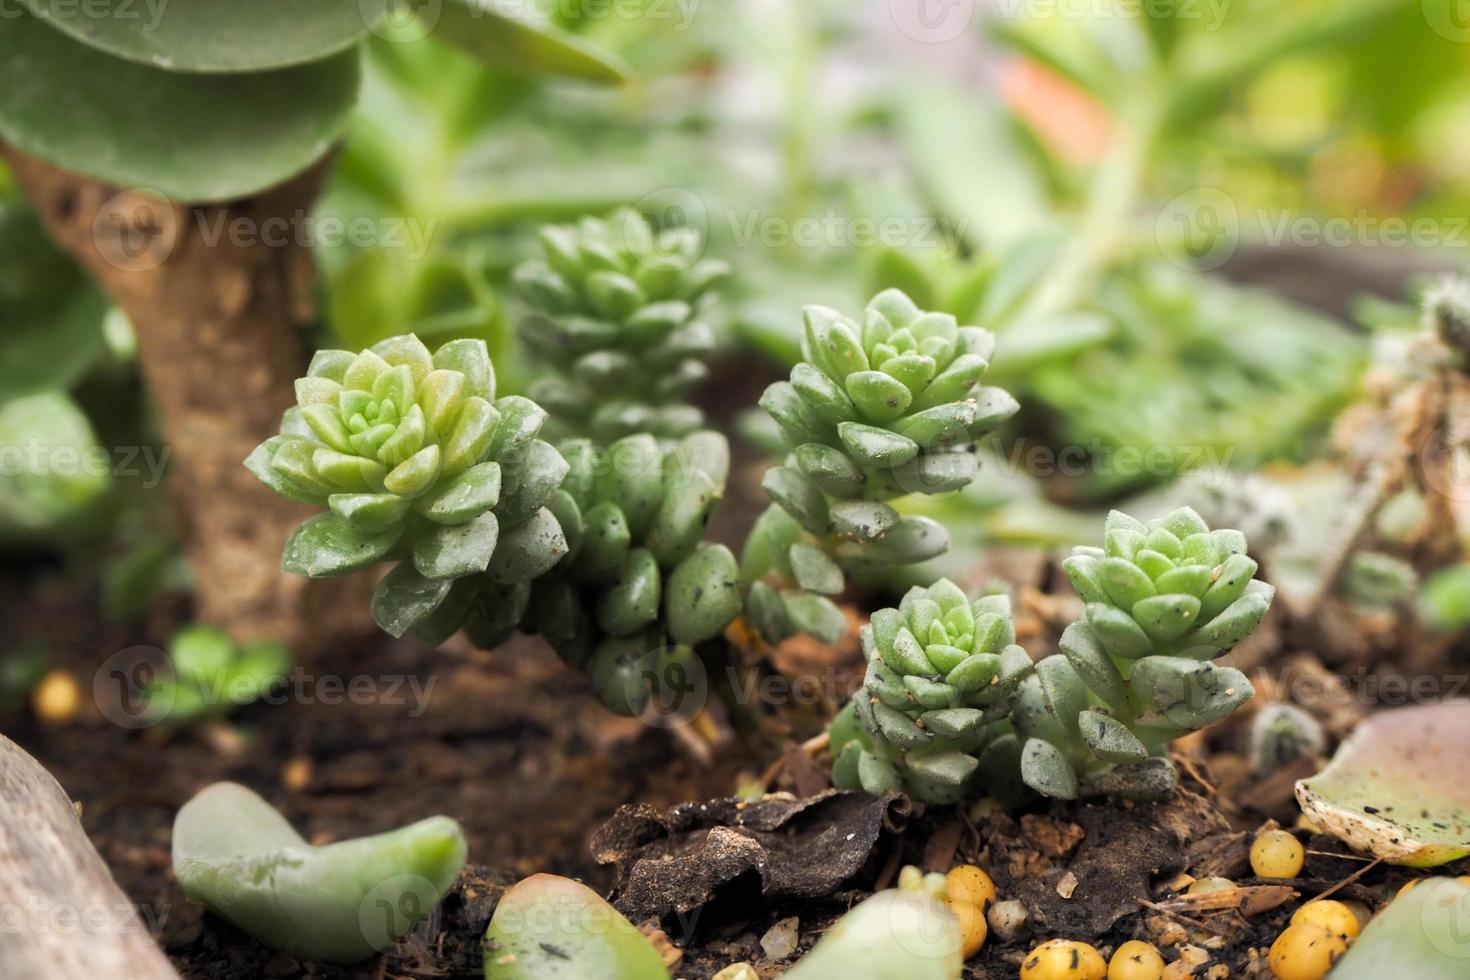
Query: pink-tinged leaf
point(1399, 788)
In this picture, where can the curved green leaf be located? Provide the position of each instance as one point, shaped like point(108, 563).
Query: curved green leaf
point(190, 138)
point(506, 39)
point(212, 35)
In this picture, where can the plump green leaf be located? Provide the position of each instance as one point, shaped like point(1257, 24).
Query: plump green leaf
point(326, 545)
point(214, 35)
point(405, 598)
point(44, 496)
point(632, 603)
point(703, 594)
point(550, 928)
point(529, 551)
point(339, 902)
point(449, 552)
point(188, 137)
point(1046, 770)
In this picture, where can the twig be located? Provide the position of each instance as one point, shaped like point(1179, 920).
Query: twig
point(1349, 879)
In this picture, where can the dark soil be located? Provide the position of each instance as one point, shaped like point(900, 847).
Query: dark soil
point(513, 746)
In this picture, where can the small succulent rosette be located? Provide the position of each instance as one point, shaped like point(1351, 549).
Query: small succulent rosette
point(639, 586)
point(942, 672)
point(873, 412)
point(1163, 599)
point(615, 309)
point(417, 461)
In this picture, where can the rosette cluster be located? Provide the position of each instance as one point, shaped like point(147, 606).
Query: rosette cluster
point(873, 412)
point(615, 311)
point(1163, 599)
point(942, 673)
point(415, 459)
point(639, 586)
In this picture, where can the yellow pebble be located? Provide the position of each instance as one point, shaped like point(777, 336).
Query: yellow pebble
point(973, 927)
point(1305, 952)
point(1064, 959)
point(1136, 960)
point(57, 699)
point(970, 885)
point(1335, 917)
point(1204, 886)
point(1277, 854)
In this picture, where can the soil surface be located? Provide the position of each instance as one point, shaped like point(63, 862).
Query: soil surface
point(512, 745)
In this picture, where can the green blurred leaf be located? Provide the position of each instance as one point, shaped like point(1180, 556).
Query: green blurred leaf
point(50, 313)
point(51, 468)
point(212, 35)
point(505, 38)
point(191, 138)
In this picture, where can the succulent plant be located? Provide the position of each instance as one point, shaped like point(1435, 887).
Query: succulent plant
point(1280, 735)
point(212, 676)
point(639, 586)
point(415, 458)
point(614, 310)
point(873, 412)
point(339, 902)
point(1163, 599)
point(942, 672)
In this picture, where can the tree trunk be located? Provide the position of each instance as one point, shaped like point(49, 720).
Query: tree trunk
point(217, 296)
point(61, 914)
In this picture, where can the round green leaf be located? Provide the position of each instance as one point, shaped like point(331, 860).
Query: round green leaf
point(212, 35)
point(190, 138)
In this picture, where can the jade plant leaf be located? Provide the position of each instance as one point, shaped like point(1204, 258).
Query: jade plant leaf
point(338, 902)
point(188, 137)
point(1424, 933)
point(1399, 787)
point(213, 35)
point(552, 928)
point(505, 38)
point(895, 935)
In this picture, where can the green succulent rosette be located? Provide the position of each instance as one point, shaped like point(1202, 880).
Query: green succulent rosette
point(942, 673)
point(416, 460)
point(639, 587)
point(873, 412)
point(614, 310)
point(1163, 599)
